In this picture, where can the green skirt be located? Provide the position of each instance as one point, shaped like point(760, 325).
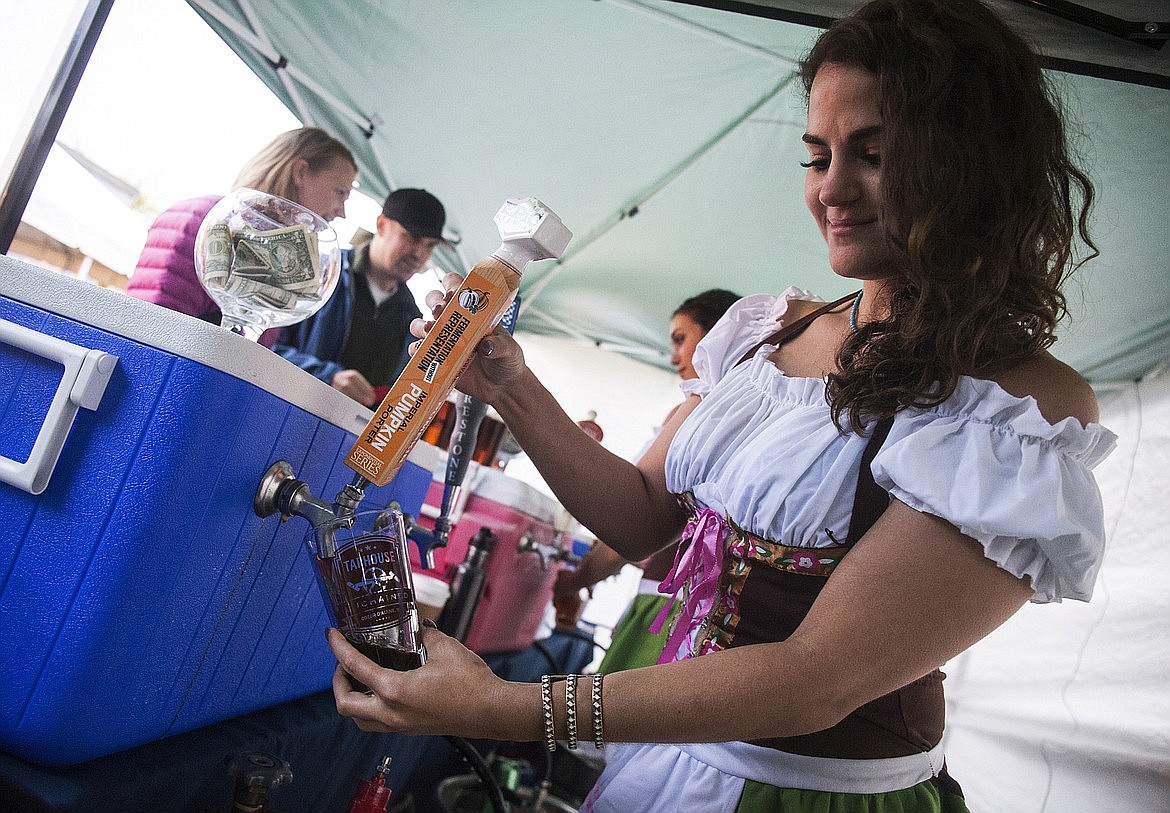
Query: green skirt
point(939, 795)
point(633, 644)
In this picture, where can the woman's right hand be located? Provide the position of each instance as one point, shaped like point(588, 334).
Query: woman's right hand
point(498, 360)
point(607, 494)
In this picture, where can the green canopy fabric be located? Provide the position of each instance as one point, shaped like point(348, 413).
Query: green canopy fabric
point(666, 135)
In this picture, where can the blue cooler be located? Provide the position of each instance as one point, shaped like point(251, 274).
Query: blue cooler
point(140, 595)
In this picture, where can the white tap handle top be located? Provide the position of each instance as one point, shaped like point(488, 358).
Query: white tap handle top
point(530, 231)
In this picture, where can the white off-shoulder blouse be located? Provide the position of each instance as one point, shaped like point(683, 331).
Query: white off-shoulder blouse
point(762, 450)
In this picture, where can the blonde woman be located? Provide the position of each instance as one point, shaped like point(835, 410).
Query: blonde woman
point(307, 166)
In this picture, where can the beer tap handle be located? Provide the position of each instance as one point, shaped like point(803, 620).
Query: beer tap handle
point(469, 413)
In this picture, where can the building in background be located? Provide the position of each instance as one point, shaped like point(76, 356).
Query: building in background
point(83, 220)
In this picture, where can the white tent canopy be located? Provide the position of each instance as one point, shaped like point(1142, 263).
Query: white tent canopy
point(666, 135)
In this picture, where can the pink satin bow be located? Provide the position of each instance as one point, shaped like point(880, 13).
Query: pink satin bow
point(697, 565)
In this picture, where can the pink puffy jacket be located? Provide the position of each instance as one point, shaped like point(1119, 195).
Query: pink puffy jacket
point(165, 274)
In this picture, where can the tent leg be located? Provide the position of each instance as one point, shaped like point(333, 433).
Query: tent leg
point(19, 187)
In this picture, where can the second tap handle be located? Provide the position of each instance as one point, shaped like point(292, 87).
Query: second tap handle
point(469, 414)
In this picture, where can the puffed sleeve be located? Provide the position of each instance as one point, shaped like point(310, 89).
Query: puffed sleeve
point(990, 464)
point(746, 323)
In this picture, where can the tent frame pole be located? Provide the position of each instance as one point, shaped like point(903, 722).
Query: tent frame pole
point(284, 70)
point(19, 187)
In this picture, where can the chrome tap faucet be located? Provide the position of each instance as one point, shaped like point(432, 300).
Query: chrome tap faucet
point(280, 491)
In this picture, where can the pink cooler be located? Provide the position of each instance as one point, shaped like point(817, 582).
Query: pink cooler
point(523, 564)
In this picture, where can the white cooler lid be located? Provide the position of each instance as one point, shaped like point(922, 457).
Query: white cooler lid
point(182, 335)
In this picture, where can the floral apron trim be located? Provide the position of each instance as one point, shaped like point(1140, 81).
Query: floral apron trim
point(720, 553)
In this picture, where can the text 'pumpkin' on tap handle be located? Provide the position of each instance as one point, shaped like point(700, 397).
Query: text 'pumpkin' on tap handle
point(529, 231)
point(469, 413)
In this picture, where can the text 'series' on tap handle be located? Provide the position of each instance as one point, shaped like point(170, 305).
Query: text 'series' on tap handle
point(529, 231)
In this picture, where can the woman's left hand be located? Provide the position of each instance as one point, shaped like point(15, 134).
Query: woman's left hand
point(448, 695)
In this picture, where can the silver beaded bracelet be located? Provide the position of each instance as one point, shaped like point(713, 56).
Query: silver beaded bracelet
point(595, 698)
point(546, 705)
point(550, 737)
point(571, 710)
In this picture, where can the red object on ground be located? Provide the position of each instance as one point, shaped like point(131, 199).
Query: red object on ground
point(372, 794)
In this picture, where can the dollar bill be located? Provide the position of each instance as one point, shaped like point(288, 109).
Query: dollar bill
point(217, 255)
point(260, 294)
point(283, 258)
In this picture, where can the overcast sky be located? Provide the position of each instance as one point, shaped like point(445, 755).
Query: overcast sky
point(164, 104)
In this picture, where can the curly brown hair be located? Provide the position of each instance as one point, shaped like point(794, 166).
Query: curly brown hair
point(981, 204)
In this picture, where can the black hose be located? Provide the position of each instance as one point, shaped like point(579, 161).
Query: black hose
point(548, 767)
point(556, 666)
point(490, 785)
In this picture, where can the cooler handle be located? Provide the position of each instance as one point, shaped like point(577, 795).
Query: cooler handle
point(87, 372)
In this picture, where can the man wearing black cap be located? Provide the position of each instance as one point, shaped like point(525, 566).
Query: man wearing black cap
point(359, 340)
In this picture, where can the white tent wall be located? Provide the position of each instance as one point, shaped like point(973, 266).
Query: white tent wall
point(1066, 708)
point(630, 398)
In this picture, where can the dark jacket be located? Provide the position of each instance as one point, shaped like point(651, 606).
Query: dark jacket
point(316, 344)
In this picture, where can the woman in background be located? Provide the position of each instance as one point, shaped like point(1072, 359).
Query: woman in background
point(634, 643)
